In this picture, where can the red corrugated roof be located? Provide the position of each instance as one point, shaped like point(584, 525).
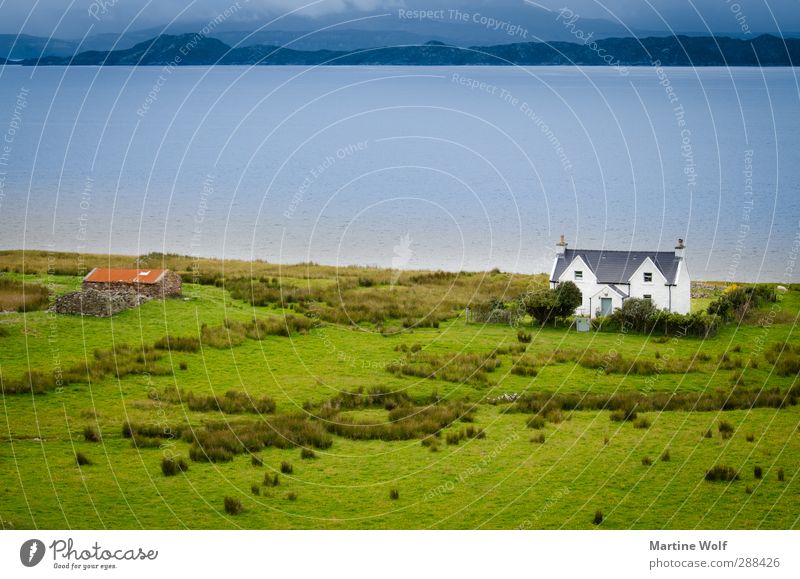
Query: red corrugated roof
point(144, 275)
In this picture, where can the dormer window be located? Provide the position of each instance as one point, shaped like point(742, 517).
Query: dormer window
point(648, 277)
point(578, 275)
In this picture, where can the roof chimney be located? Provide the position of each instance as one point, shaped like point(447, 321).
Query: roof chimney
point(561, 246)
point(680, 248)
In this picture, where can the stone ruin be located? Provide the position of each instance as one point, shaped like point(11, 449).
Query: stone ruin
point(99, 303)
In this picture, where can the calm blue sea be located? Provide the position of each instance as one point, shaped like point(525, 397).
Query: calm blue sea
point(408, 167)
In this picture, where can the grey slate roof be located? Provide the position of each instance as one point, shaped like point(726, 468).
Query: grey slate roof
point(618, 266)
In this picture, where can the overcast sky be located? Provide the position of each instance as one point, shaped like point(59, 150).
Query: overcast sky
point(71, 19)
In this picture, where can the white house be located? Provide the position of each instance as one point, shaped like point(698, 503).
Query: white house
point(607, 278)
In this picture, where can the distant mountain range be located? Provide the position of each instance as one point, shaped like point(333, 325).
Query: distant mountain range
point(194, 49)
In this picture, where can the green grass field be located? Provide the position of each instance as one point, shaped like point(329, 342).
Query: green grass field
point(506, 479)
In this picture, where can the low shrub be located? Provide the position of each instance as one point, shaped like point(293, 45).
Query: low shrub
point(642, 423)
point(82, 459)
point(758, 472)
point(286, 467)
point(524, 337)
point(233, 506)
point(722, 473)
point(307, 454)
point(647, 461)
point(172, 465)
point(255, 489)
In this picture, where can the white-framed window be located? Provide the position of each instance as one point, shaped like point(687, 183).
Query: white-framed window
point(648, 277)
point(648, 296)
point(578, 275)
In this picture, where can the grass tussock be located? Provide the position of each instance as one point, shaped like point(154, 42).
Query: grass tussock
point(19, 296)
point(598, 517)
point(524, 366)
point(307, 454)
point(178, 344)
point(221, 441)
point(233, 506)
point(394, 494)
point(82, 459)
point(625, 405)
point(232, 402)
point(172, 465)
point(91, 434)
point(119, 361)
point(722, 473)
point(286, 467)
point(458, 367)
point(785, 357)
point(405, 422)
point(758, 472)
